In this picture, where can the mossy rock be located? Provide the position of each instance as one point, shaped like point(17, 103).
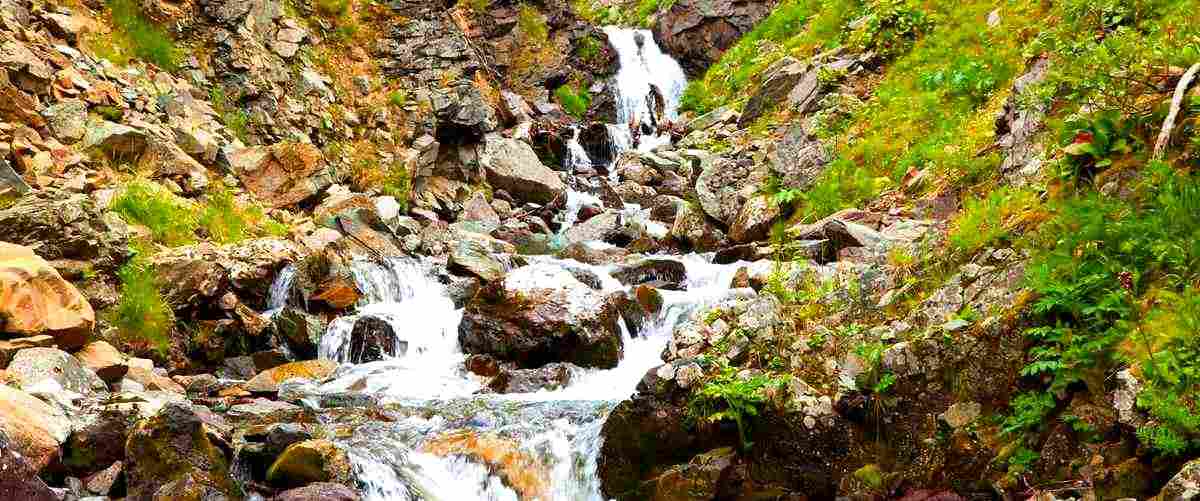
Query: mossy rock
point(308, 462)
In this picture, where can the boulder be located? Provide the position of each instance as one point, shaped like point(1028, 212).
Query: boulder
point(34, 299)
point(548, 377)
point(512, 166)
point(300, 330)
point(19, 479)
point(725, 185)
point(10, 347)
point(283, 174)
point(175, 454)
point(66, 119)
point(778, 80)
point(145, 148)
point(698, 479)
point(104, 360)
point(838, 233)
point(665, 273)
point(478, 209)
point(754, 220)
point(692, 228)
point(268, 380)
point(319, 491)
point(541, 314)
point(799, 158)
point(198, 276)
point(61, 225)
point(33, 429)
point(373, 339)
point(463, 114)
point(697, 32)
point(33, 367)
point(310, 461)
point(1185, 485)
point(472, 257)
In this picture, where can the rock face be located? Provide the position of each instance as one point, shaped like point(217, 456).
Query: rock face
point(34, 299)
point(310, 461)
point(172, 455)
point(753, 221)
point(32, 428)
point(283, 174)
point(541, 314)
point(62, 225)
point(197, 275)
point(512, 166)
point(724, 185)
point(697, 32)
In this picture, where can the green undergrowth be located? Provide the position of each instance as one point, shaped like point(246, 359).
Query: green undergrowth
point(135, 36)
point(142, 317)
point(172, 220)
point(732, 397)
point(573, 99)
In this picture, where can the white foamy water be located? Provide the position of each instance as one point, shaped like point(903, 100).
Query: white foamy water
point(644, 66)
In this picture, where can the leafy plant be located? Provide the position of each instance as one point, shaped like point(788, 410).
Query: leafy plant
point(889, 27)
point(1092, 142)
point(574, 100)
point(729, 396)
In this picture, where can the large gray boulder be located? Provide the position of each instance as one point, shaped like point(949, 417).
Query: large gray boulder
point(48, 369)
point(512, 166)
point(724, 185)
point(63, 225)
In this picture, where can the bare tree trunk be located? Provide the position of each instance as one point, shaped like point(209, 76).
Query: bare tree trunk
point(1164, 136)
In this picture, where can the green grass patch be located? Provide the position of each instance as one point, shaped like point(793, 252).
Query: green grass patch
point(142, 317)
point(994, 219)
point(170, 219)
point(135, 36)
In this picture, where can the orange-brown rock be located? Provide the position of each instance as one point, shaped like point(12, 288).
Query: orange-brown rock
point(108, 363)
point(268, 381)
point(34, 429)
point(34, 299)
point(283, 174)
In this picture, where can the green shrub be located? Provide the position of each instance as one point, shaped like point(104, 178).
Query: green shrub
point(889, 28)
point(398, 98)
point(841, 186)
point(332, 8)
point(532, 24)
point(170, 219)
point(964, 78)
point(136, 36)
point(574, 100)
point(142, 316)
point(729, 396)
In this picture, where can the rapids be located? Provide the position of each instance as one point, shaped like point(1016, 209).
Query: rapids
point(424, 430)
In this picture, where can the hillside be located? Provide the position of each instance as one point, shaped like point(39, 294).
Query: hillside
point(600, 249)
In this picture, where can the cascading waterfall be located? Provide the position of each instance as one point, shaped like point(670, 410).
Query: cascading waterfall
point(644, 71)
point(430, 395)
point(438, 426)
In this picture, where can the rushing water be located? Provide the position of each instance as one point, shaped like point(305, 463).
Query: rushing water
point(442, 440)
point(434, 434)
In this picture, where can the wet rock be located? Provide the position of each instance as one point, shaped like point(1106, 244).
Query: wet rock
point(34, 299)
point(31, 368)
point(308, 462)
point(372, 339)
point(698, 32)
point(104, 360)
point(268, 381)
point(283, 174)
point(541, 314)
point(176, 455)
point(591, 253)
point(261, 408)
point(473, 258)
point(33, 429)
point(319, 491)
point(667, 273)
point(693, 228)
point(548, 377)
point(19, 479)
point(698, 479)
point(513, 166)
point(754, 220)
point(300, 330)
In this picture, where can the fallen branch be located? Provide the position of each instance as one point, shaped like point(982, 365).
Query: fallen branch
point(1164, 136)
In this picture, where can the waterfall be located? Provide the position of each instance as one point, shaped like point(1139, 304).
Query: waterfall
point(644, 68)
point(576, 157)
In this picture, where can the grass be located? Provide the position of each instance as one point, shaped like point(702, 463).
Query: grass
point(135, 36)
point(994, 219)
point(142, 317)
point(170, 219)
point(234, 117)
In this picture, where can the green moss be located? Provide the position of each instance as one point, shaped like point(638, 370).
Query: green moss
point(135, 36)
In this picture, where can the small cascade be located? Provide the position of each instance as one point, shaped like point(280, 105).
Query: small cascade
point(576, 201)
point(577, 157)
point(649, 84)
point(278, 296)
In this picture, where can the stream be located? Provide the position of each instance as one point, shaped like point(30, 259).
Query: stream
point(431, 434)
